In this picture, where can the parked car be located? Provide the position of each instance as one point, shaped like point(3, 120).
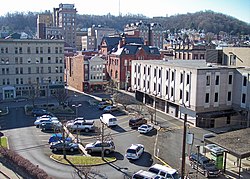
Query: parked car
point(110, 108)
point(108, 147)
point(44, 116)
point(134, 151)
point(38, 122)
point(164, 171)
point(58, 146)
point(108, 119)
point(137, 121)
point(143, 174)
point(51, 126)
point(58, 137)
point(103, 104)
point(205, 165)
point(39, 112)
point(81, 125)
point(145, 128)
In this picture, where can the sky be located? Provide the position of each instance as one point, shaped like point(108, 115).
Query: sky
point(239, 9)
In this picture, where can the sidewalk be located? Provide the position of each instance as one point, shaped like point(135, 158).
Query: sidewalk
point(6, 173)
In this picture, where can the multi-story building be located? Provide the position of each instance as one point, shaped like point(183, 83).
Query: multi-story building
point(92, 41)
point(65, 17)
point(86, 73)
point(120, 58)
point(29, 65)
point(190, 51)
point(210, 95)
point(152, 33)
point(79, 35)
point(44, 21)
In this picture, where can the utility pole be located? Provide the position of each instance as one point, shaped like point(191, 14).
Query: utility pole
point(77, 130)
point(102, 137)
point(184, 148)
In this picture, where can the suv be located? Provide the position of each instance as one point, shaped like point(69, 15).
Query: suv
point(142, 174)
point(134, 151)
point(137, 121)
point(108, 147)
point(56, 146)
point(205, 165)
point(82, 125)
point(164, 171)
point(51, 126)
point(39, 112)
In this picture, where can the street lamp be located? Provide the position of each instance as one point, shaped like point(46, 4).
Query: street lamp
point(77, 131)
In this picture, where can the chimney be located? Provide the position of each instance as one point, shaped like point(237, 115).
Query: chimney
point(145, 42)
point(122, 42)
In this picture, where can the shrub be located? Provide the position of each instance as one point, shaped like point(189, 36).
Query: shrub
point(23, 164)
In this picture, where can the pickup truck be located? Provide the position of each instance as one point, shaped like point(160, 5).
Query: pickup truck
point(81, 125)
point(205, 165)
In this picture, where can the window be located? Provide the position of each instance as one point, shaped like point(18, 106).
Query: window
point(187, 79)
point(41, 49)
point(56, 59)
point(229, 93)
point(166, 90)
point(37, 50)
point(49, 50)
point(16, 70)
point(243, 99)
point(154, 72)
point(29, 70)
point(37, 69)
point(16, 60)
point(172, 91)
point(228, 120)
point(148, 70)
point(28, 50)
point(180, 94)
point(21, 70)
point(21, 60)
point(17, 81)
point(56, 49)
point(167, 75)
point(217, 80)
point(230, 79)
point(49, 59)
point(207, 80)
point(181, 78)
point(172, 76)
point(244, 81)
point(187, 96)
point(159, 73)
point(16, 50)
point(41, 59)
point(3, 71)
point(216, 97)
point(207, 98)
point(20, 50)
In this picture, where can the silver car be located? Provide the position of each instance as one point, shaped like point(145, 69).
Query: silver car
point(108, 147)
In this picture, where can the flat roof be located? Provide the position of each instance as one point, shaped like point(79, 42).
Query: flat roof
point(195, 64)
point(236, 142)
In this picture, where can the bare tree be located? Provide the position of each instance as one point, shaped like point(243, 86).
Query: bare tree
point(86, 172)
point(34, 92)
point(151, 112)
point(124, 99)
point(61, 95)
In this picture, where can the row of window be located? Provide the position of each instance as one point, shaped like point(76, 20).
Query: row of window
point(229, 97)
point(21, 81)
point(20, 70)
point(28, 50)
point(38, 60)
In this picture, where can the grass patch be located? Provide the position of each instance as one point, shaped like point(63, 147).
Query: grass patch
point(82, 160)
point(4, 142)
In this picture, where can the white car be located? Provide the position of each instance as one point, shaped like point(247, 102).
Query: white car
point(145, 128)
point(134, 151)
point(44, 116)
point(38, 122)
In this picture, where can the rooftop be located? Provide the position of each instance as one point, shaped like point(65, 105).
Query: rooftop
point(230, 140)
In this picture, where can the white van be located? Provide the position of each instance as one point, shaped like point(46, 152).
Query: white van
point(164, 171)
point(142, 174)
point(108, 119)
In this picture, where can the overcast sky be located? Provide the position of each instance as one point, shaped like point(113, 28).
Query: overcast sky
point(239, 9)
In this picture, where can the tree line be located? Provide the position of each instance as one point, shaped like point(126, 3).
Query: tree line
point(208, 21)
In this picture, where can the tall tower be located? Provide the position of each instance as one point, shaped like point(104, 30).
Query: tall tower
point(65, 17)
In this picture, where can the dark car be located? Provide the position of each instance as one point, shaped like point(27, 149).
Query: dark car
point(58, 146)
point(58, 137)
point(204, 164)
point(137, 121)
point(39, 112)
point(51, 126)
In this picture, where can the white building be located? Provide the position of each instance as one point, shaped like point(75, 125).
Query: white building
point(28, 65)
point(210, 95)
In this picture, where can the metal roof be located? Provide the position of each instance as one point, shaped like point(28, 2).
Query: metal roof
point(236, 142)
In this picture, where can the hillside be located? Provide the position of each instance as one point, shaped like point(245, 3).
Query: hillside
point(207, 20)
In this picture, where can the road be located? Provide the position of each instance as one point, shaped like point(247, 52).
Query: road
point(32, 144)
